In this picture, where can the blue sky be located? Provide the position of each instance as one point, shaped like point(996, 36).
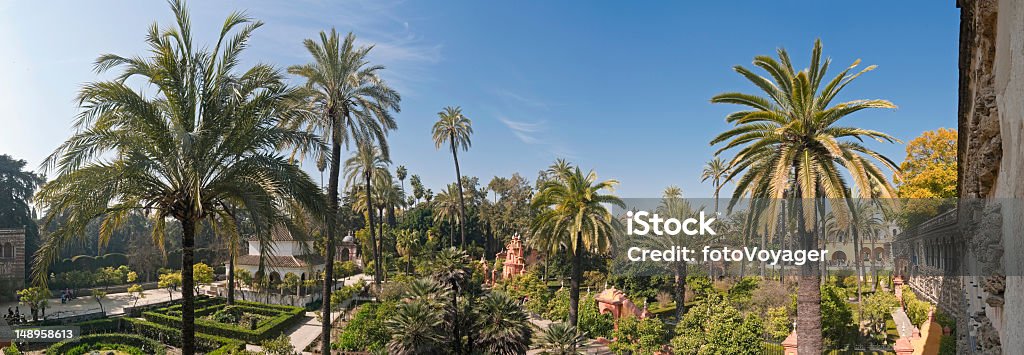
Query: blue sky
point(619, 87)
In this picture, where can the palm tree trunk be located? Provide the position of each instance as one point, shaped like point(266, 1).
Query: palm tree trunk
point(231, 275)
point(373, 237)
point(188, 326)
point(332, 212)
point(808, 309)
point(874, 269)
point(859, 264)
point(574, 282)
point(462, 202)
point(679, 291)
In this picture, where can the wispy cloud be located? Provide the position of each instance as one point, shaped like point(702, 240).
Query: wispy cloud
point(525, 131)
point(517, 99)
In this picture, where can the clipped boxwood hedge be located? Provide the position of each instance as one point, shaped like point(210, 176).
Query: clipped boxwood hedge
point(209, 344)
point(130, 343)
point(280, 319)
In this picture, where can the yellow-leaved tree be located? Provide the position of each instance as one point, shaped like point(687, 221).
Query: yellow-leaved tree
point(929, 176)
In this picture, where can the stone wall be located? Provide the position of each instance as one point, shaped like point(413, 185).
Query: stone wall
point(991, 158)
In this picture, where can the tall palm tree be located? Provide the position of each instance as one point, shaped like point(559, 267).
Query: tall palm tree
point(573, 216)
point(674, 206)
point(368, 162)
point(715, 170)
point(446, 208)
point(353, 104)
point(502, 326)
point(204, 135)
point(454, 128)
point(794, 147)
point(401, 173)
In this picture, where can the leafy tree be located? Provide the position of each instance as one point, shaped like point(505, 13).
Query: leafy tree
point(454, 128)
point(366, 331)
point(791, 144)
point(137, 292)
point(930, 171)
point(713, 326)
point(36, 298)
point(353, 104)
point(592, 321)
point(877, 309)
point(778, 324)
point(98, 295)
point(170, 281)
point(638, 336)
point(202, 274)
point(573, 216)
point(181, 149)
point(836, 317)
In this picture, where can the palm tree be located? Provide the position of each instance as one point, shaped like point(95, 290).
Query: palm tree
point(414, 329)
point(674, 206)
point(561, 339)
point(446, 208)
point(368, 162)
point(572, 215)
point(353, 104)
point(451, 269)
point(794, 147)
point(502, 326)
point(714, 171)
point(401, 173)
point(407, 242)
point(454, 128)
point(200, 137)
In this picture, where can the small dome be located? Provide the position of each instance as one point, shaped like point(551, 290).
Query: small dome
point(348, 239)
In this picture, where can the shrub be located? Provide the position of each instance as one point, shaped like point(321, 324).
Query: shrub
point(12, 350)
point(129, 343)
point(638, 336)
point(366, 331)
point(278, 318)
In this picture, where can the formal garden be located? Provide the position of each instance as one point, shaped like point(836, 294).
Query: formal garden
point(199, 188)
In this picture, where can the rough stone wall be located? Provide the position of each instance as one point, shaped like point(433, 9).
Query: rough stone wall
point(991, 157)
point(12, 271)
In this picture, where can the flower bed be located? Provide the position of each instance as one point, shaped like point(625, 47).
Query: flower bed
point(124, 343)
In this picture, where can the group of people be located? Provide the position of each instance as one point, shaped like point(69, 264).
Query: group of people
point(66, 295)
point(14, 316)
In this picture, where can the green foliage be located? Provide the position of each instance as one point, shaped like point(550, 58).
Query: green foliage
point(877, 309)
point(12, 350)
point(560, 339)
point(269, 319)
point(210, 344)
point(558, 305)
point(638, 336)
point(281, 345)
point(531, 288)
point(778, 325)
point(366, 330)
point(128, 343)
point(592, 321)
point(917, 310)
point(202, 274)
point(713, 326)
point(837, 326)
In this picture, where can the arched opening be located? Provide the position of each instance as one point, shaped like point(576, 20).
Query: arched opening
point(7, 250)
point(275, 277)
point(879, 253)
point(344, 254)
point(865, 254)
point(839, 258)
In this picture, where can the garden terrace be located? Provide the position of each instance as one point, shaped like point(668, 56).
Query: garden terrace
point(247, 321)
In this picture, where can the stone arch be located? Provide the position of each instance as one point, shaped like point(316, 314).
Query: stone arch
point(275, 277)
point(865, 254)
point(839, 256)
point(879, 254)
point(344, 254)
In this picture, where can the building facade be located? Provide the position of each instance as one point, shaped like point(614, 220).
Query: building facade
point(287, 255)
point(12, 262)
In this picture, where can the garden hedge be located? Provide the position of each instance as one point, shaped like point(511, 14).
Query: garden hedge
point(210, 344)
point(281, 318)
point(86, 343)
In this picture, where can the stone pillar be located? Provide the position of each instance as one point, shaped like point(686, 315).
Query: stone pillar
point(903, 347)
point(789, 345)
